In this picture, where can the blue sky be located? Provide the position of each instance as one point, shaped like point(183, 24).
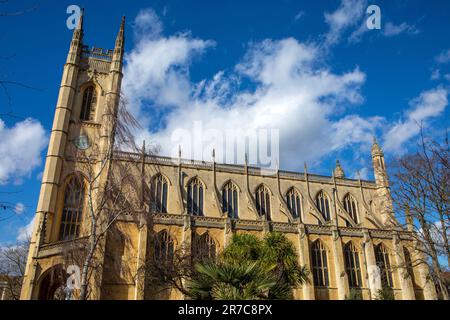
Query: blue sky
point(310, 67)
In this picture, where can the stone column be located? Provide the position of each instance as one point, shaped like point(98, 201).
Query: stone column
point(141, 260)
point(227, 233)
point(405, 279)
point(304, 259)
point(371, 266)
point(187, 241)
point(187, 234)
point(339, 268)
point(429, 290)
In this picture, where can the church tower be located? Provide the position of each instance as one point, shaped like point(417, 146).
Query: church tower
point(384, 198)
point(88, 97)
point(379, 165)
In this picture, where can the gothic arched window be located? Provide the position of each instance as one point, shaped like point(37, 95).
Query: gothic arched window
point(88, 104)
point(351, 207)
point(382, 260)
point(323, 204)
point(319, 264)
point(352, 266)
point(262, 197)
point(158, 197)
point(204, 247)
point(195, 197)
point(230, 200)
point(293, 200)
point(72, 211)
point(163, 247)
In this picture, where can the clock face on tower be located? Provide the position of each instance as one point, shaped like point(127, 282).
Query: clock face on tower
point(81, 142)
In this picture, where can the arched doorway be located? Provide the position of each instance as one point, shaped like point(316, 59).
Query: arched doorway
point(52, 284)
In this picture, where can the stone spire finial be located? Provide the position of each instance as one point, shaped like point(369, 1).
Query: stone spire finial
point(376, 149)
point(378, 164)
point(338, 171)
point(76, 44)
point(80, 20)
point(116, 63)
point(120, 36)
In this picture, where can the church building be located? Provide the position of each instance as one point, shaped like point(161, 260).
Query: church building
point(344, 230)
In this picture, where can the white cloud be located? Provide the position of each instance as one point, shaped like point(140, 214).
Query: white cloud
point(351, 13)
point(25, 232)
point(291, 90)
point(388, 30)
point(299, 15)
point(429, 104)
point(157, 68)
point(19, 208)
point(357, 35)
point(287, 87)
point(435, 74)
point(348, 14)
point(353, 128)
point(147, 24)
point(20, 149)
point(391, 30)
point(443, 57)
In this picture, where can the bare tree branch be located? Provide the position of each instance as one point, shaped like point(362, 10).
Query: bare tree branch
point(421, 189)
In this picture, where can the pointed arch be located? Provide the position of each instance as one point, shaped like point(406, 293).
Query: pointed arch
point(262, 185)
point(230, 199)
point(51, 284)
point(195, 196)
point(232, 182)
point(383, 262)
point(263, 201)
point(73, 207)
point(204, 247)
point(319, 264)
point(163, 247)
point(294, 202)
point(351, 207)
point(199, 179)
point(89, 103)
point(352, 265)
point(165, 176)
point(159, 186)
point(323, 203)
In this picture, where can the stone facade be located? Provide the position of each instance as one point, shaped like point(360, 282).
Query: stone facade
point(353, 211)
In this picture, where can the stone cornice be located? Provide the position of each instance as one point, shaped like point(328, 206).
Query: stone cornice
point(258, 225)
point(240, 169)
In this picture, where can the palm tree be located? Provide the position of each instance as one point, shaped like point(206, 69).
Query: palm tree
point(243, 247)
point(278, 250)
point(250, 268)
point(225, 281)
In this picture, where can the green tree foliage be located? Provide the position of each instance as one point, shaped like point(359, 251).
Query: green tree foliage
point(250, 268)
